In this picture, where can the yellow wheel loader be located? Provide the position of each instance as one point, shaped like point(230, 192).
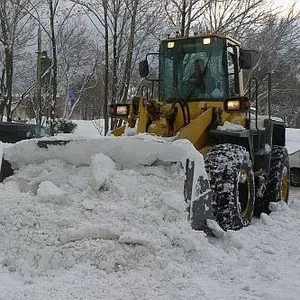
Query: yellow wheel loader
point(201, 98)
point(235, 161)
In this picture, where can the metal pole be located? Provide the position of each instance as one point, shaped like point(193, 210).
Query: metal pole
point(38, 79)
point(269, 93)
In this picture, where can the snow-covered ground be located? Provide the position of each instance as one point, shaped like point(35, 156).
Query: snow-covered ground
point(101, 231)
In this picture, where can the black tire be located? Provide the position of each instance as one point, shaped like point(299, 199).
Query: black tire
point(231, 178)
point(295, 177)
point(278, 181)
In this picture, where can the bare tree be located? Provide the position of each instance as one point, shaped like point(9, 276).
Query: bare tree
point(184, 14)
point(235, 17)
point(279, 55)
point(119, 23)
point(78, 59)
point(14, 23)
point(47, 72)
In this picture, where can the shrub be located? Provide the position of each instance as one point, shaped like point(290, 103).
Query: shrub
point(63, 125)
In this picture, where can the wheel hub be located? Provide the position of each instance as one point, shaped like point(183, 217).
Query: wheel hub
point(284, 184)
point(244, 192)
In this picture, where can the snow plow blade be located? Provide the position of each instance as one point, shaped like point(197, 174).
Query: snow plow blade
point(127, 152)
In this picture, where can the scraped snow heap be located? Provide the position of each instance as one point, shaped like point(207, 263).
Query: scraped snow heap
point(75, 205)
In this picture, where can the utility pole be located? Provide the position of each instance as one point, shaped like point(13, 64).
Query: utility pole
point(38, 80)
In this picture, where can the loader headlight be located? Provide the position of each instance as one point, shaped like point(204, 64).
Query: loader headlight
point(171, 45)
point(233, 105)
point(206, 41)
point(239, 104)
point(122, 110)
point(118, 110)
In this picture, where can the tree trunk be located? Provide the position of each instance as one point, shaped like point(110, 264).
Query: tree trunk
point(54, 67)
point(38, 81)
point(128, 62)
point(105, 103)
point(9, 81)
point(183, 18)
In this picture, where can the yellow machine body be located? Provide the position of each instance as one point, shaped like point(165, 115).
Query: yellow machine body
point(167, 120)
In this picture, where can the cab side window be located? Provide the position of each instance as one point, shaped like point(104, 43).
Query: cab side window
point(232, 72)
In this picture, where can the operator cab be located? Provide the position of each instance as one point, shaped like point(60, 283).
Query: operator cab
point(200, 68)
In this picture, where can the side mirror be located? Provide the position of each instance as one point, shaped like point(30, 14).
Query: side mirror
point(144, 68)
point(247, 59)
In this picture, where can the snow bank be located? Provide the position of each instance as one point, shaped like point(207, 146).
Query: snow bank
point(123, 234)
point(126, 152)
point(49, 227)
point(134, 242)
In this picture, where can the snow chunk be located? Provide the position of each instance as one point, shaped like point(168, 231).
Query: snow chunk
point(278, 206)
point(174, 201)
point(215, 228)
point(89, 204)
point(131, 238)
point(90, 231)
point(130, 131)
point(102, 167)
point(227, 126)
point(81, 179)
point(49, 192)
point(266, 219)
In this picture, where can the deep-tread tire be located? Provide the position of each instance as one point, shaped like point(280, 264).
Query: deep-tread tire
point(278, 181)
point(295, 177)
point(233, 200)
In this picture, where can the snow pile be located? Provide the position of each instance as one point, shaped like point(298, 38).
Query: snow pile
point(48, 225)
point(101, 229)
point(141, 149)
point(49, 192)
point(126, 152)
point(89, 129)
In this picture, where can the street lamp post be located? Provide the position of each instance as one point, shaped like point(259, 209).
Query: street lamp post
point(38, 79)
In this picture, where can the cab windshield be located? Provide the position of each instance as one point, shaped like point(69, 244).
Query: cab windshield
point(192, 69)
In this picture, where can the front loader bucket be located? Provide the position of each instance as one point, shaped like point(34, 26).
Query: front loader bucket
point(127, 152)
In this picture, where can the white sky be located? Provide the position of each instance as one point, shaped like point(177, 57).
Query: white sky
point(286, 4)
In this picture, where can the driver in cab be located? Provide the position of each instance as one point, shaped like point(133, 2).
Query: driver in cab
point(201, 77)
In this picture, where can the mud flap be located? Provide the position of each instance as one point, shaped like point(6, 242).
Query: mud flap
point(198, 196)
